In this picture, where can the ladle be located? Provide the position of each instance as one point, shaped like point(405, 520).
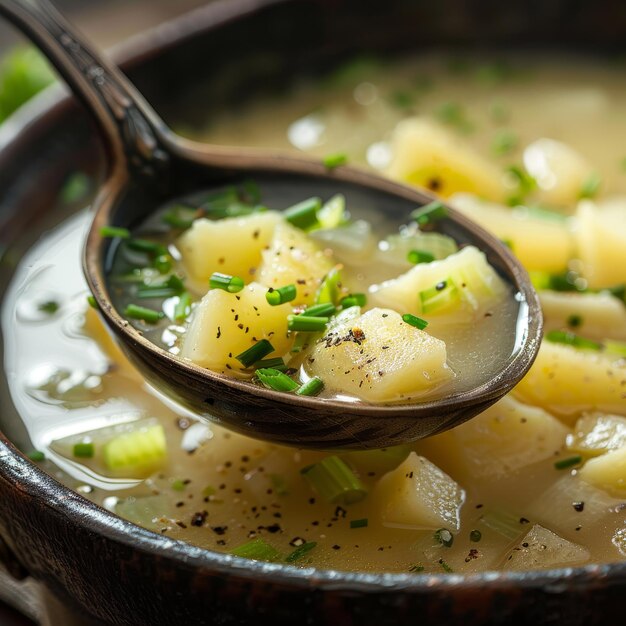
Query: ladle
point(150, 165)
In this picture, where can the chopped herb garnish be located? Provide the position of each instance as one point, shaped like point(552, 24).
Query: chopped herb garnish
point(114, 231)
point(445, 566)
point(276, 363)
point(416, 568)
point(304, 214)
point(353, 299)
point(258, 550)
point(312, 387)
point(50, 307)
point(590, 186)
point(232, 284)
point(181, 217)
point(280, 295)
point(320, 310)
point(335, 481)
point(306, 323)
point(173, 286)
point(524, 181)
point(444, 537)
point(163, 263)
point(574, 320)
point(335, 160)
point(300, 551)
point(359, 523)
point(276, 380)
point(183, 307)
point(615, 347)
point(570, 339)
point(504, 142)
point(137, 312)
point(413, 320)
point(330, 289)
point(475, 536)
point(255, 353)
point(570, 461)
point(429, 213)
point(147, 247)
point(36, 455)
point(84, 450)
point(178, 485)
point(92, 302)
point(420, 256)
point(251, 191)
point(443, 295)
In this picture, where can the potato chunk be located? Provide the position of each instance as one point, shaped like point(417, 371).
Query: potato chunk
point(380, 358)
point(607, 472)
point(597, 433)
point(231, 245)
point(470, 283)
point(225, 324)
point(542, 549)
point(567, 381)
point(427, 155)
point(294, 258)
point(417, 494)
point(541, 244)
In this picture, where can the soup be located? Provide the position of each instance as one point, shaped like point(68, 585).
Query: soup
point(536, 481)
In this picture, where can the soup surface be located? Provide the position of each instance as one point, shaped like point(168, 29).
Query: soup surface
point(530, 147)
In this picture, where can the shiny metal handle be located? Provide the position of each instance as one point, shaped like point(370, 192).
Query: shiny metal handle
point(133, 132)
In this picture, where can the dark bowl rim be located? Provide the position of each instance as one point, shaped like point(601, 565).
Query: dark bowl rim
point(19, 473)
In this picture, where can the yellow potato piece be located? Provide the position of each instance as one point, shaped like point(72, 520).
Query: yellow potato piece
point(427, 155)
point(607, 472)
point(225, 324)
point(597, 433)
point(232, 245)
point(294, 258)
point(567, 381)
point(540, 244)
point(380, 358)
point(601, 239)
point(417, 494)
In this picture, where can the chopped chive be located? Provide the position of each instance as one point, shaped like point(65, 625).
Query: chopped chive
point(50, 307)
point(330, 289)
point(413, 320)
point(252, 191)
point(276, 380)
point(300, 551)
point(574, 320)
point(276, 363)
point(280, 295)
point(429, 213)
point(36, 455)
point(416, 568)
point(181, 217)
point(257, 549)
point(183, 307)
point(306, 323)
point(353, 299)
point(114, 231)
point(304, 214)
point(93, 303)
point(420, 256)
point(504, 142)
point(359, 523)
point(163, 263)
point(157, 292)
point(525, 182)
point(446, 568)
point(255, 353)
point(311, 388)
point(444, 537)
point(475, 536)
point(590, 186)
point(147, 247)
point(443, 295)
point(570, 461)
point(320, 310)
point(232, 284)
point(143, 313)
point(335, 160)
point(615, 347)
point(178, 485)
point(335, 481)
point(173, 283)
point(84, 450)
point(570, 339)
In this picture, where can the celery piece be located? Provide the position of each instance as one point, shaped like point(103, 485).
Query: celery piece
point(335, 481)
point(136, 450)
point(444, 296)
point(333, 212)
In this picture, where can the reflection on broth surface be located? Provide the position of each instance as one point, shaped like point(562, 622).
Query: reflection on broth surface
point(528, 147)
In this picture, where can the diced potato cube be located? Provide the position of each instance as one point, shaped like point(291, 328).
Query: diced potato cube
point(599, 315)
point(294, 258)
point(226, 324)
point(601, 238)
point(380, 358)
point(541, 244)
point(473, 284)
point(607, 472)
point(543, 549)
point(417, 494)
point(559, 170)
point(567, 381)
point(427, 155)
point(232, 245)
point(597, 433)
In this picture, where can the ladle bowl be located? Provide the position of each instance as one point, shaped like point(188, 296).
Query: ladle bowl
point(149, 166)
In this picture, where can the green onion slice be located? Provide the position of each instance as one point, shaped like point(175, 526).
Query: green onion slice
point(84, 450)
point(143, 313)
point(320, 310)
point(353, 299)
point(147, 247)
point(280, 295)
point(335, 160)
point(413, 320)
point(429, 213)
point(180, 216)
point(359, 523)
point(443, 296)
point(232, 284)
point(570, 461)
point(304, 214)
point(257, 549)
point(312, 387)
point(276, 380)
point(276, 363)
point(306, 323)
point(420, 256)
point(92, 302)
point(570, 339)
point(300, 551)
point(36, 455)
point(255, 353)
point(114, 231)
point(335, 481)
point(330, 289)
point(183, 307)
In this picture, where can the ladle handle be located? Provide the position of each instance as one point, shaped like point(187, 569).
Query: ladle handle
point(134, 134)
